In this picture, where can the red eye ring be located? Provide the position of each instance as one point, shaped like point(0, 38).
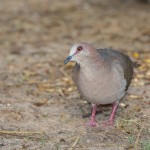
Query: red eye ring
point(79, 48)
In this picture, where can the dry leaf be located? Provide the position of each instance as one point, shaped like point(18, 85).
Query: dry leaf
point(136, 55)
point(147, 60)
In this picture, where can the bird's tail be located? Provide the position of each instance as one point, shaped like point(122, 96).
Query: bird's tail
point(136, 64)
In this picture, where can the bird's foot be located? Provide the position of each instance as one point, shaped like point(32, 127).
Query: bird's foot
point(107, 124)
point(92, 123)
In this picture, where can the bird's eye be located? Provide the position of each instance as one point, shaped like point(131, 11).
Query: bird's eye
point(79, 48)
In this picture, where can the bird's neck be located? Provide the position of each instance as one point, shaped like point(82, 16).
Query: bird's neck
point(88, 66)
point(89, 62)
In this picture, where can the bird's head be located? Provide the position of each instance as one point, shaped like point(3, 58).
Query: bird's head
point(79, 52)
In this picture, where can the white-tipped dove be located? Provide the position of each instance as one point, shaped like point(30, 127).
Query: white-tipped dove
point(101, 75)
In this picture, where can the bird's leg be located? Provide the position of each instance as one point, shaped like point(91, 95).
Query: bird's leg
point(92, 121)
point(113, 112)
point(112, 116)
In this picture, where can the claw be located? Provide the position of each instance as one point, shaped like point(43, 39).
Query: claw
point(107, 124)
point(92, 123)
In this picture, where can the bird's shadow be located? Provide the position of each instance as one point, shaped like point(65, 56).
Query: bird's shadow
point(101, 109)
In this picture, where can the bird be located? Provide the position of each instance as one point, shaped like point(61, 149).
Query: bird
point(102, 76)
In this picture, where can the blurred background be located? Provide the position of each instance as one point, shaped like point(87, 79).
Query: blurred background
point(40, 107)
point(120, 24)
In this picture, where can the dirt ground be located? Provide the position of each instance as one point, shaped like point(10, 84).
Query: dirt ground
point(40, 108)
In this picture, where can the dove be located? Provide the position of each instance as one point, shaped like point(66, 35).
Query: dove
point(102, 76)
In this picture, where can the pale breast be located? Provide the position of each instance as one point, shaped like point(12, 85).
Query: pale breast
point(101, 86)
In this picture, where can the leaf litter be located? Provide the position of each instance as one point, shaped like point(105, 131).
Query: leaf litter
point(44, 109)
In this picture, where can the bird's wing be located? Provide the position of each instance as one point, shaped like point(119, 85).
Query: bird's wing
point(120, 58)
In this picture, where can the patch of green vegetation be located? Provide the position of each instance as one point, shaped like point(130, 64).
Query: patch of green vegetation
point(145, 145)
point(131, 139)
point(57, 147)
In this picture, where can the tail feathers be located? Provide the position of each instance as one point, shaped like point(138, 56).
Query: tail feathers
point(136, 64)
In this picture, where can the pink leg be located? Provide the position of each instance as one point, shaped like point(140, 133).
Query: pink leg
point(112, 116)
point(114, 109)
point(92, 121)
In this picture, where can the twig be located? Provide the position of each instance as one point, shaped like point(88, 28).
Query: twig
point(19, 132)
point(61, 92)
point(75, 143)
point(138, 137)
point(46, 134)
point(63, 72)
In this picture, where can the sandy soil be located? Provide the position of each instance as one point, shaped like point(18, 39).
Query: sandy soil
point(40, 108)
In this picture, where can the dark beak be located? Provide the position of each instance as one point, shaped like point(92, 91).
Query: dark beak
point(67, 59)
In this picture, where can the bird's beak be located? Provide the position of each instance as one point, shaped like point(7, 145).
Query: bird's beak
point(67, 59)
